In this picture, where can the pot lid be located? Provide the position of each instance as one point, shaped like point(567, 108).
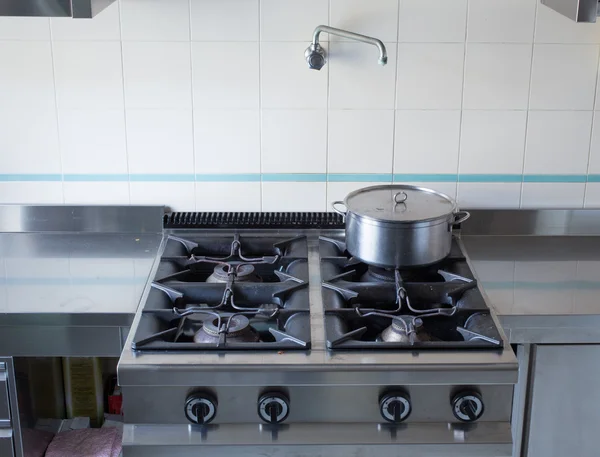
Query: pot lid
point(399, 203)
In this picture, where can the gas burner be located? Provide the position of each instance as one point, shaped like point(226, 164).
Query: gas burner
point(405, 329)
point(368, 307)
point(228, 292)
point(241, 273)
point(236, 328)
point(250, 259)
point(378, 274)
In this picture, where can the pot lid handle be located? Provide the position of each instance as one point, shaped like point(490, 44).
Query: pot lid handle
point(400, 197)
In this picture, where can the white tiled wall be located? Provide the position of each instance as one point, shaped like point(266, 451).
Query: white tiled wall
point(209, 104)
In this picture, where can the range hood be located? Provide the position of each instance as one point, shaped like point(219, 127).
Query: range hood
point(53, 8)
point(577, 10)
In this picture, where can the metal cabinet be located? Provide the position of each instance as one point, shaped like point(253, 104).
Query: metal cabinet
point(4, 405)
point(7, 447)
point(10, 433)
point(564, 407)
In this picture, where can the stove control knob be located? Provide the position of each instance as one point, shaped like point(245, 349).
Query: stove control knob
point(200, 408)
point(467, 406)
point(395, 406)
point(273, 407)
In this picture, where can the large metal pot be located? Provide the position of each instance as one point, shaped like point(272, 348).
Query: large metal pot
point(395, 226)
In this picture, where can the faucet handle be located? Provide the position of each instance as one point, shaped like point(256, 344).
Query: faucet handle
point(316, 57)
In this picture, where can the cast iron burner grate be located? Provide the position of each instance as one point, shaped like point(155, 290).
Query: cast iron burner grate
point(228, 293)
point(434, 307)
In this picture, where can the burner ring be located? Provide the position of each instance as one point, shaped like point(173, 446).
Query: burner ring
point(380, 274)
point(243, 272)
point(398, 333)
point(401, 325)
point(237, 325)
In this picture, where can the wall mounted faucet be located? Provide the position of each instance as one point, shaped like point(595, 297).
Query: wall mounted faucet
point(316, 57)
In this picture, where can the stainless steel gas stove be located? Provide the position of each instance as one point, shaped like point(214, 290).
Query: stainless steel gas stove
point(260, 335)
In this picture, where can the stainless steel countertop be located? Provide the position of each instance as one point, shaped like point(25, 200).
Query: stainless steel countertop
point(74, 278)
point(91, 267)
point(544, 289)
point(71, 277)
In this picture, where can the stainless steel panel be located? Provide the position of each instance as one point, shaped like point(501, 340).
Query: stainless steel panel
point(565, 398)
point(521, 399)
point(88, 8)
point(83, 246)
point(123, 334)
point(309, 404)
point(532, 248)
point(544, 289)
point(7, 448)
point(552, 328)
point(54, 318)
point(29, 341)
point(53, 8)
point(85, 280)
point(489, 439)
point(4, 405)
point(92, 219)
point(532, 222)
point(577, 10)
point(199, 374)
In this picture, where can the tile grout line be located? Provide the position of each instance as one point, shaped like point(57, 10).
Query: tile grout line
point(528, 106)
point(299, 177)
point(56, 111)
point(589, 161)
point(260, 108)
point(462, 102)
point(192, 101)
point(397, 63)
point(124, 103)
point(140, 40)
point(327, 103)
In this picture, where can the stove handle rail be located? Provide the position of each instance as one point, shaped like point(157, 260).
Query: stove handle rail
point(484, 439)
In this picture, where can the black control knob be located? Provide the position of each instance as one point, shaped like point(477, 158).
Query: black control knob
point(395, 406)
point(273, 407)
point(200, 408)
point(467, 406)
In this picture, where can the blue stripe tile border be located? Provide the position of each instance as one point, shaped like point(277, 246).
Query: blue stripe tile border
point(301, 177)
point(416, 177)
point(162, 178)
point(88, 177)
point(294, 177)
point(362, 177)
point(555, 178)
point(30, 177)
point(489, 178)
point(242, 177)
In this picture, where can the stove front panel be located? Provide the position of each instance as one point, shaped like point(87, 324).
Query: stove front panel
point(310, 404)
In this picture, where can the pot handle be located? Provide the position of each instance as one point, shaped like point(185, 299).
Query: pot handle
point(460, 217)
point(339, 211)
